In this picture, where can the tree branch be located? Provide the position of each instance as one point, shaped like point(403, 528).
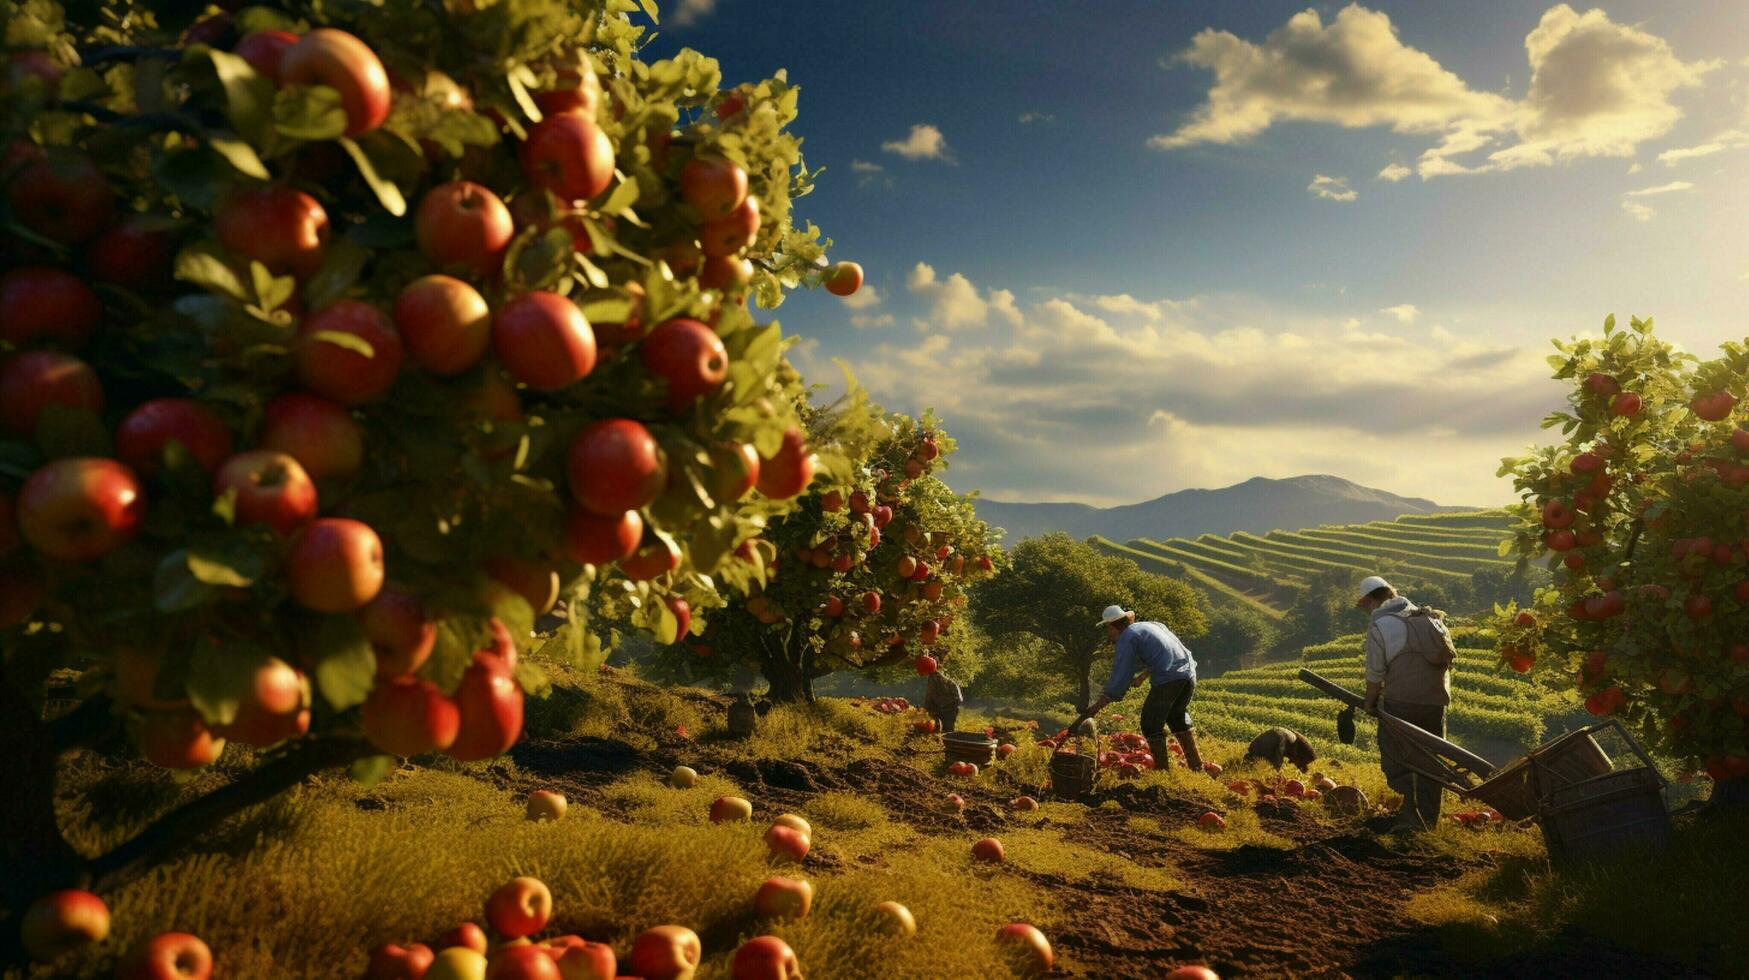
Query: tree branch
point(184, 825)
point(92, 721)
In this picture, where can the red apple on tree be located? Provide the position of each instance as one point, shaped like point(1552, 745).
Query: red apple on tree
point(178, 739)
point(584, 97)
point(270, 488)
point(732, 232)
point(80, 509)
point(1625, 405)
point(713, 186)
point(568, 155)
point(334, 58)
point(491, 708)
point(536, 581)
point(348, 352)
point(141, 437)
point(657, 556)
point(1713, 407)
point(591, 539)
point(61, 195)
point(61, 922)
point(31, 381)
point(276, 706)
point(444, 323)
point(544, 341)
point(134, 253)
point(43, 302)
point(725, 273)
point(790, 470)
point(765, 958)
point(687, 355)
point(335, 565)
point(844, 279)
point(665, 953)
point(320, 434)
point(614, 466)
point(519, 908)
point(265, 51)
point(281, 227)
point(462, 224)
point(736, 471)
point(409, 716)
point(167, 956)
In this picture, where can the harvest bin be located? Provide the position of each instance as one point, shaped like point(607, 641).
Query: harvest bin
point(970, 747)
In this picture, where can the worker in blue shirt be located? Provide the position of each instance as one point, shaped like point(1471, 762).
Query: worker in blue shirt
point(1151, 648)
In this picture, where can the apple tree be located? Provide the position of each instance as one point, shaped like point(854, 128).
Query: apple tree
point(869, 572)
point(1641, 512)
point(337, 341)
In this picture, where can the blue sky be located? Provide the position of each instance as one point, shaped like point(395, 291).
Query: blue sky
point(1130, 247)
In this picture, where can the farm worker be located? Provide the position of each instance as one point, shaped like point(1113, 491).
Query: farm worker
point(1408, 662)
point(942, 697)
point(1151, 648)
point(1282, 744)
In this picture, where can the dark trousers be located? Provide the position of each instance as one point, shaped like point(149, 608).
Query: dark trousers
point(946, 717)
point(1167, 707)
point(1421, 795)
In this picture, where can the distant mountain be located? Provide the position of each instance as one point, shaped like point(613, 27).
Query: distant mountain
point(1257, 505)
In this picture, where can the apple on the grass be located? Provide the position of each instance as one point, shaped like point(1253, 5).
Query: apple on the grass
point(458, 963)
point(795, 822)
point(80, 509)
point(141, 437)
point(169, 956)
point(585, 961)
point(1194, 972)
point(1027, 949)
point(665, 953)
point(569, 155)
point(281, 227)
point(684, 777)
point(468, 935)
point(335, 565)
point(527, 962)
point(40, 301)
point(409, 716)
point(783, 898)
point(491, 706)
point(520, 907)
point(895, 919)
point(546, 804)
point(989, 849)
point(334, 58)
point(63, 921)
point(1210, 820)
point(765, 958)
point(688, 355)
point(395, 962)
point(1005, 750)
point(786, 843)
point(1025, 804)
point(463, 224)
point(348, 351)
point(32, 380)
point(400, 633)
point(444, 323)
point(730, 808)
point(955, 802)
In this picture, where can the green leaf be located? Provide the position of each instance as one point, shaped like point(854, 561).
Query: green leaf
point(231, 562)
point(219, 679)
point(351, 341)
point(373, 769)
point(623, 196)
point(240, 155)
point(345, 666)
point(199, 265)
point(174, 587)
point(309, 112)
point(612, 310)
point(249, 96)
point(341, 267)
point(387, 193)
point(650, 10)
point(519, 79)
point(271, 292)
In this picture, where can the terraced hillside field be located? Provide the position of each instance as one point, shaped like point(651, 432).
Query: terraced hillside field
point(1494, 712)
point(1266, 571)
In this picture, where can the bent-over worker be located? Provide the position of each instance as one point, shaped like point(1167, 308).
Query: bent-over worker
point(1280, 745)
point(942, 697)
point(1408, 663)
point(1151, 648)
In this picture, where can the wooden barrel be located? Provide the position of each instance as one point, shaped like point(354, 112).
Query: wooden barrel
point(970, 747)
point(1072, 774)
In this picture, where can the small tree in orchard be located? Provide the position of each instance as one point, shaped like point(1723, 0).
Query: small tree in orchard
point(1642, 515)
point(1055, 589)
point(340, 340)
point(869, 572)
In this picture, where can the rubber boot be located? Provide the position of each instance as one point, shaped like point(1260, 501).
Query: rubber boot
point(1162, 755)
point(1428, 797)
point(1406, 817)
point(1187, 741)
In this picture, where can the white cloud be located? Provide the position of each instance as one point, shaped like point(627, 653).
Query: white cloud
point(1671, 158)
point(1670, 188)
point(954, 303)
point(1597, 88)
point(690, 12)
point(865, 167)
point(1404, 312)
point(1124, 398)
point(866, 298)
point(1037, 117)
point(1636, 168)
point(924, 142)
point(1331, 188)
point(1394, 172)
point(1638, 211)
point(864, 321)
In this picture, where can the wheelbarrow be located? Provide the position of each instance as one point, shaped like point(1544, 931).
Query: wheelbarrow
point(1584, 804)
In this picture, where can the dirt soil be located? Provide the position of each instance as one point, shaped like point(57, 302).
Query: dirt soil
point(1332, 907)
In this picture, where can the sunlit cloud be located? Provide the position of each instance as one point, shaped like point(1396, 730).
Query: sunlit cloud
point(1027, 118)
point(1394, 172)
point(924, 142)
point(1670, 188)
point(1331, 188)
point(1638, 211)
point(690, 12)
point(1404, 313)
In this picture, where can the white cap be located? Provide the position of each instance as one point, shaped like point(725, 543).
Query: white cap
point(1371, 584)
point(1113, 614)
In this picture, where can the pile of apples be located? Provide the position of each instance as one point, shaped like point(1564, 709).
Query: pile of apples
point(886, 706)
point(69, 920)
point(1478, 819)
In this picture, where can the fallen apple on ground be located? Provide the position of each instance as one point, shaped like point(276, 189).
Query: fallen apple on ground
point(1027, 949)
point(665, 953)
point(730, 808)
point(989, 849)
point(63, 921)
point(795, 821)
point(786, 843)
point(457, 963)
point(765, 958)
point(171, 956)
point(783, 898)
point(519, 907)
point(896, 919)
point(395, 962)
point(546, 804)
point(683, 777)
point(468, 935)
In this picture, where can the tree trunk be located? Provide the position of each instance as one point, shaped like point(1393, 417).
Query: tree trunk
point(1084, 668)
point(785, 671)
point(36, 857)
